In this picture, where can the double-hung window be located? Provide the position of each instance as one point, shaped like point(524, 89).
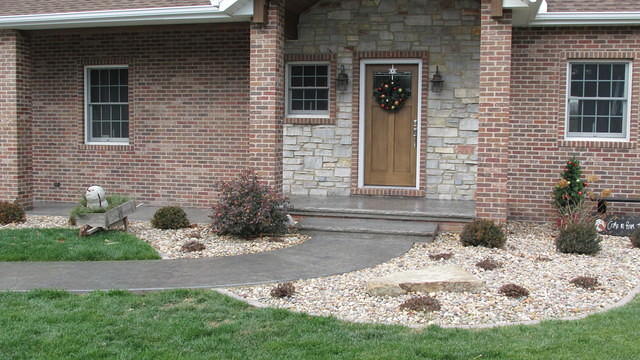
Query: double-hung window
point(308, 89)
point(598, 101)
point(107, 104)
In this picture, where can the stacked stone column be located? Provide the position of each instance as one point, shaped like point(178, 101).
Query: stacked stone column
point(494, 127)
point(15, 119)
point(267, 96)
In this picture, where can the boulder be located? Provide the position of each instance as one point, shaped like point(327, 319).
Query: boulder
point(450, 278)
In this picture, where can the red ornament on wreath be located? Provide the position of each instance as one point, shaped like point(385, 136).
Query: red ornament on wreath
point(390, 96)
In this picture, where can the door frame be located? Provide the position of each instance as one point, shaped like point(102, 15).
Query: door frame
point(361, 119)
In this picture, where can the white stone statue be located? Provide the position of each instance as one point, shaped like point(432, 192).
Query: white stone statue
point(96, 198)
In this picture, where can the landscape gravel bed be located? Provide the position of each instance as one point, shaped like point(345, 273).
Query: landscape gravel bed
point(529, 259)
point(169, 243)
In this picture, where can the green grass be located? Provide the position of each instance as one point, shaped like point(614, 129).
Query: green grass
point(205, 325)
point(66, 245)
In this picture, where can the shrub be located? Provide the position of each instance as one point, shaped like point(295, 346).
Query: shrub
point(578, 238)
point(11, 213)
point(570, 190)
point(443, 256)
point(170, 217)
point(421, 303)
point(283, 290)
point(249, 209)
point(635, 238)
point(193, 246)
point(585, 282)
point(488, 264)
point(483, 233)
point(513, 291)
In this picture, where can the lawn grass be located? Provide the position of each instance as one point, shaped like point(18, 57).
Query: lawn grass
point(205, 325)
point(66, 245)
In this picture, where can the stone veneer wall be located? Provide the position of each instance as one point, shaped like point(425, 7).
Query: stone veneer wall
point(317, 158)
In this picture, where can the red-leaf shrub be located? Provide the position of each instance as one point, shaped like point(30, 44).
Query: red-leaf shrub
point(11, 213)
point(247, 208)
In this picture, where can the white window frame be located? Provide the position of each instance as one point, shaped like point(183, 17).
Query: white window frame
point(87, 118)
point(626, 121)
point(302, 114)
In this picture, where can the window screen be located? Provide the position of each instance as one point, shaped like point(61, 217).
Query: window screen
point(598, 99)
point(108, 104)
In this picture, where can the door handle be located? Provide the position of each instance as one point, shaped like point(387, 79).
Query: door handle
point(415, 133)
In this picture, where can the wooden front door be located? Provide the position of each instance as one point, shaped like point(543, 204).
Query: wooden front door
point(391, 136)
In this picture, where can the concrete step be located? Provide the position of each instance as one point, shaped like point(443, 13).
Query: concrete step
point(369, 226)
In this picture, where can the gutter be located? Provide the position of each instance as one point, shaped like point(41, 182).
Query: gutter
point(586, 19)
point(219, 11)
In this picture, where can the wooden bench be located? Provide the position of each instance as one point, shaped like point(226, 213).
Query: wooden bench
point(602, 203)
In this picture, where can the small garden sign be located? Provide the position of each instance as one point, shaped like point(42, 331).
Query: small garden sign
point(618, 225)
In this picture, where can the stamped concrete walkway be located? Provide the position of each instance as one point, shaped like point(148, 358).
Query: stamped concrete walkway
point(327, 253)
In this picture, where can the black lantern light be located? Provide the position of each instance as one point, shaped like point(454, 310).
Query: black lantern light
point(437, 82)
point(342, 82)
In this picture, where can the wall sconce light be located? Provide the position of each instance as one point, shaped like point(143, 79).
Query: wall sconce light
point(437, 82)
point(342, 82)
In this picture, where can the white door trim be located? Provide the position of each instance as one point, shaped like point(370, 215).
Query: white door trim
point(361, 120)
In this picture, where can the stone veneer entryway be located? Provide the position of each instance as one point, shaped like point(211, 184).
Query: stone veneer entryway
point(319, 159)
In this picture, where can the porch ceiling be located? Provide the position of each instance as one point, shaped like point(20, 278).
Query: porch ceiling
point(292, 15)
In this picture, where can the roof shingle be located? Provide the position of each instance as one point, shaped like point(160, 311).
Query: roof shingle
point(592, 5)
point(27, 7)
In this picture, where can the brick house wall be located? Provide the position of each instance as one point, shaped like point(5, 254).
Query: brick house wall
point(495, 98)
point(15, 119)
point(189, 112)
point(537, 150)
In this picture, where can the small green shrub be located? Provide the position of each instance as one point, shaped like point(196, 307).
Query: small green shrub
point(11, 213)
point(578, 238)
point(170, 217)
point(421, 303)
point(635, 238)
point(283, 290)
point(513, 291)
point(483, 233)
point(248, 209)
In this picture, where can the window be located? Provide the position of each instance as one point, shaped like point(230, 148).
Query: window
point(308, 89)
point(598, 100)
point(107, 104)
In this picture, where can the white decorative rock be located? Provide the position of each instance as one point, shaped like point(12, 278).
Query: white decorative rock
point(96, 198)
point(450, 278)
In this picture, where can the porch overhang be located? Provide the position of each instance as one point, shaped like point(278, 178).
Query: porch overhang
point(219, 11)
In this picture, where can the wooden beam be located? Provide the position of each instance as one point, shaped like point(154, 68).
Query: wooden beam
point(496, 8)
point(260, 11)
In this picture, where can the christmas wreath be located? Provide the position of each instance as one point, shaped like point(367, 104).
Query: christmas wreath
point(391, 96)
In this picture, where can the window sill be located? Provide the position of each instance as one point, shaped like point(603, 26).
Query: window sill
point(107, 146)
point(597, 144)
point(293, 120)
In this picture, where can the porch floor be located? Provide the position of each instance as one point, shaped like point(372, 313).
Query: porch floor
point(385, 206)
point(143, 213)
point(365, 205)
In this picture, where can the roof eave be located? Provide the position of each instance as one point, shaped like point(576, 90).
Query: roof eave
point(230, 11)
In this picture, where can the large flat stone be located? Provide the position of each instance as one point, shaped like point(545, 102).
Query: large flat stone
point(450, 278)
